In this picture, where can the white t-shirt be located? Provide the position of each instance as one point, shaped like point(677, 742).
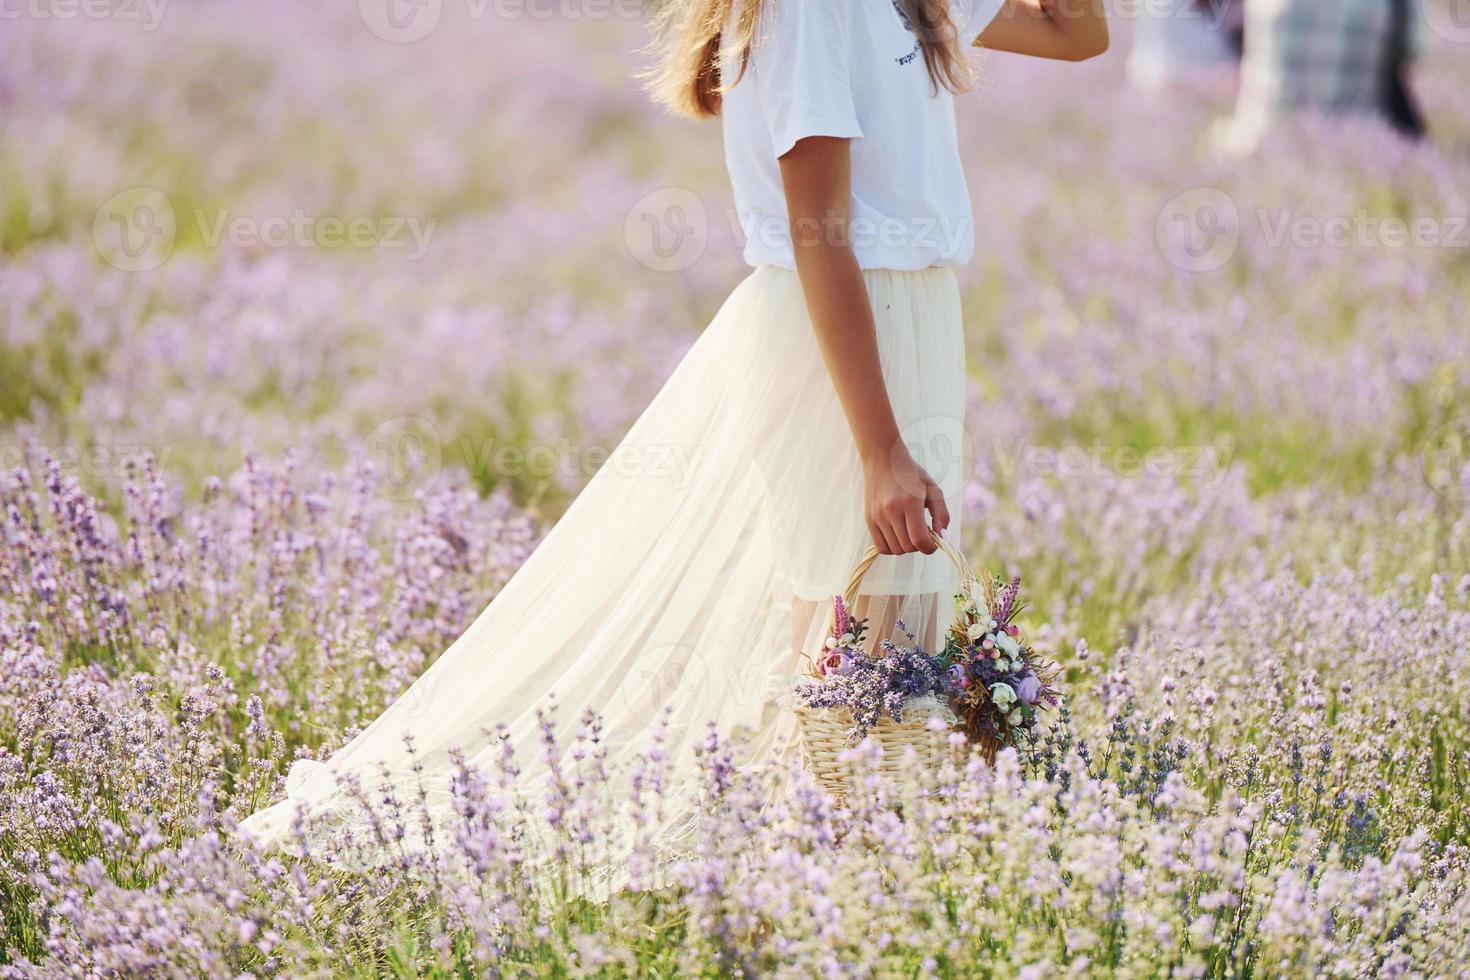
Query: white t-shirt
point(852, 68)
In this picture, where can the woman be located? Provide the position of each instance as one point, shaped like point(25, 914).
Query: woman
point(809, 420)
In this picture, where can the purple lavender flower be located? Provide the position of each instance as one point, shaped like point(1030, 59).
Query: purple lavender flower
point(1005, 603)
point(870, 687)
point(841, 618)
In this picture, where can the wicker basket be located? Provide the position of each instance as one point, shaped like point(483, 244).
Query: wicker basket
point(824, 732)
point(824, 739)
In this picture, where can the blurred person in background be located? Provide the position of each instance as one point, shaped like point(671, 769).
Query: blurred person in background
point(1182, 40)
point(1334, 57)
point(1232, 20)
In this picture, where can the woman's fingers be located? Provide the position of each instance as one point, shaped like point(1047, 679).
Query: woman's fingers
point(938, 509)
point(898, 530)
point(898, 523)
point(904, 533)
point(881, 539)
point(919, 534)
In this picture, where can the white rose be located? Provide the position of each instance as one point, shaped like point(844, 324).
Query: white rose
point(975, 631)
point(1008, 644)
point(1003, 695)
point(848, 639)
point(1015, 717)
point(1003, 665)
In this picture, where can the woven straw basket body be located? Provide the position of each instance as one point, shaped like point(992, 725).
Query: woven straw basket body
point(824, 732)
point(824, 739)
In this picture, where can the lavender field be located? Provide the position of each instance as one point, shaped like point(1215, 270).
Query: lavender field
point(312, 321)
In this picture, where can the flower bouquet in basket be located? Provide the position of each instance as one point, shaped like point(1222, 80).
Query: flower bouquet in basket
point(901, 683)
point(986, 682)
point(994, 681)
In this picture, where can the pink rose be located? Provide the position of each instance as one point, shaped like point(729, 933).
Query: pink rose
point(835, 662)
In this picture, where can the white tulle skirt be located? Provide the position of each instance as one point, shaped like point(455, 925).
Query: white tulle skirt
point(695, 567)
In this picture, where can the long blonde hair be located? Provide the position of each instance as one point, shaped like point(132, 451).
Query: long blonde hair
point(688, 35)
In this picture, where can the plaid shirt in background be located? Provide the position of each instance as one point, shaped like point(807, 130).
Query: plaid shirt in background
point(1321, 55)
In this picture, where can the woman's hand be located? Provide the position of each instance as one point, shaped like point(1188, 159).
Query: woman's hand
point(897, 493)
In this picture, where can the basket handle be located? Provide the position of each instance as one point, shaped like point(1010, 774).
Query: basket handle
point(849, 594)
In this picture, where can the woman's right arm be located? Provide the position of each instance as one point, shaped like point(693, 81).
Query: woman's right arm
point(816, 174)
point(1067, 30)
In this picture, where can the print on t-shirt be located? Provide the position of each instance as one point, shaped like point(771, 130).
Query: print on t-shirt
point(908, 25)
